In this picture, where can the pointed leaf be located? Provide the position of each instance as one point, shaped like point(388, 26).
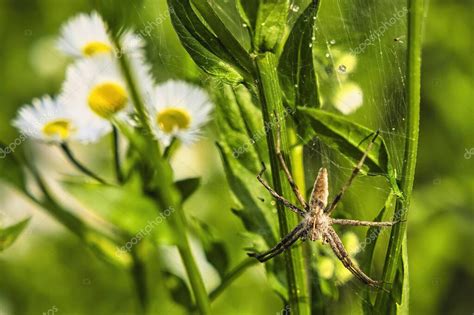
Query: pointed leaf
point(351, 140)
point(225, 36)
point(9, 234)
point(271, 23)
point(188, 186)
point(256, 214)
point(296, 68)
point(203, 46)
point(178, 289)
point(233, 129)
point(126, 208)
point(214, 250)
point(248, 10)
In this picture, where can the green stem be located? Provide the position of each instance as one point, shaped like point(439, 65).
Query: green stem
point(231, 276)
point(415, 26)
point(67, 151)
point(171, 148)
point(195, 278)
point(271, 101)
point(116, 148)
point(139, 276)
point(165, 192)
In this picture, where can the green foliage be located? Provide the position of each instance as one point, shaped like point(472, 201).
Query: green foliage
point(125, 207)
point(248, 10)
point(296, 68)
point(219, 43)
point(10, 168)
point(9, 234)
point(347, 137)
point(270, 25)
point(178, 290)
point(241, 162)
point(214, 249)
point(187, 187)
point(203, 46)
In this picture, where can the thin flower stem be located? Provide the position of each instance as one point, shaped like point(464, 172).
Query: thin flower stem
point(116, 148)
point(231, 276)
point(271, 101)
point(415, 27)
point(165, 192)
point(67, 151)
point(138, 272)
point(171, 148)
point(81, 230)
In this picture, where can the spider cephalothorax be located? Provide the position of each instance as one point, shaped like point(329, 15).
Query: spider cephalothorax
point(317, 222)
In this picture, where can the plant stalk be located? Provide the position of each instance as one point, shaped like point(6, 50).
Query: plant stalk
point(231, 276)
point(67, 151)
point(165, 192)
point(116, 148)
point(271, 102)
point(415, 27)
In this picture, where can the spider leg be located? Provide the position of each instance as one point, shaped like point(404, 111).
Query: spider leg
point(293, 185)
point(355, 171)
point(275, 195)
point(341, 253)
point(284, 244)
point(363, 223)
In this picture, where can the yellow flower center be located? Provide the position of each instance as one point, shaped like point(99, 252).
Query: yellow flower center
point(94, 48)
point(108, 98)
point(173, 118)
point(58, 128)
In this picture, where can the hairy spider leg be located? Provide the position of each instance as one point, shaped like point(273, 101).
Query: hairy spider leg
point(341, 253)
point(284, 244)
point(355, 171)
point(275, 195)
point(363, 223)
point(287, 172)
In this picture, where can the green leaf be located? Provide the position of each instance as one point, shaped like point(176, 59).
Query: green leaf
point(214, 250)
point(248, 10)
point(126, 208)
point(404, 282)
point(296, 68)
point(372, 235)
point(351, 140)
point(271, 24)
point(101, 244)
point(252, 118)
point(178, 289)
point(10, 168)
point(253, 206)
point(187, 187)
point(9, 234)
point(225, 36)
point(203, 46)
point(233, 129)
point(368, 248)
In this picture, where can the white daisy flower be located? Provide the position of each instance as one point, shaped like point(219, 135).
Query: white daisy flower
point(46, 120)
point(87, 35)
point(178, 110)
point(95, 90)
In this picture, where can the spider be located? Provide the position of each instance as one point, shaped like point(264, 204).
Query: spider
point(317, 221)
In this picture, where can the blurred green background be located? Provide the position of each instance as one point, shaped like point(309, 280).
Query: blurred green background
point(48, 266)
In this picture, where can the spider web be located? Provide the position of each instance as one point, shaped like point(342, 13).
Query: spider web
point(362, 43)
point(359, 43)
